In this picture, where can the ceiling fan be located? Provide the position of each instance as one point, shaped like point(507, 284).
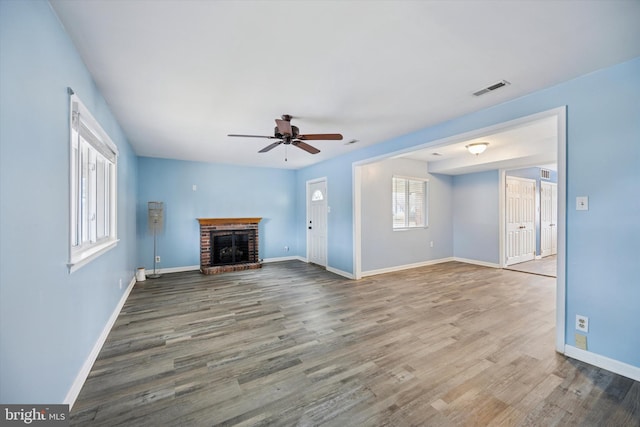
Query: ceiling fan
point(287, 134)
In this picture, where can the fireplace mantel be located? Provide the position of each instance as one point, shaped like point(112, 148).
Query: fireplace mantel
point(228, 221)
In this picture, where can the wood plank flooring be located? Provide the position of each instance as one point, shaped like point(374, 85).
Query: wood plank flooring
point(292, 344)
point(546, 266)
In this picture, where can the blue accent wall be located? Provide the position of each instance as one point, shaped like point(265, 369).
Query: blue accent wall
point(222, 191)
point(339, 220)
point(49, 319)
point(476, 216)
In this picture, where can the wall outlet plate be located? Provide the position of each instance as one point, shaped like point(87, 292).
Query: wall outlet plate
point(582, 323)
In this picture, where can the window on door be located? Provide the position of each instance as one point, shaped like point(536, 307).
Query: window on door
point(409, 202)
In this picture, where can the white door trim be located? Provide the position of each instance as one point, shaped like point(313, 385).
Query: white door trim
point(561, 115)
point(552, 228)
point(308, 214)
point(357, 220)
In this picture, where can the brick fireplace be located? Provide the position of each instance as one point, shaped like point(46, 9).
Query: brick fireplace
point(228, 244)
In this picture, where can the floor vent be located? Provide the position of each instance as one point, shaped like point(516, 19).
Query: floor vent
point(545, 174)
point(501, 83)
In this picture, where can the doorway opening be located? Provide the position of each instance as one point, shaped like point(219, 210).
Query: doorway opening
point(531, 218)
point(557, 119)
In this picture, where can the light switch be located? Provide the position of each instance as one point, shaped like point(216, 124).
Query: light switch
point(194, 187)
point(582, 203)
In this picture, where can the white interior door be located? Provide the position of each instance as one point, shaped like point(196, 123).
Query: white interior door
point(317, 222)
point(520, 219)
point(548, 218)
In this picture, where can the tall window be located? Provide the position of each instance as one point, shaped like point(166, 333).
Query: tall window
point(409, 199)
point(93, 168)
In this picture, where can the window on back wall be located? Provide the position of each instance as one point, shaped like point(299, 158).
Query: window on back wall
point(92, 172)
point(409, 199)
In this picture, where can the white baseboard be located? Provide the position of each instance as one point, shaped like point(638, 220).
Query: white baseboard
point(476, 262)
point(197, 267)
point(603, 362)
point(405, 266)
point(74, 391)
point(176, 269)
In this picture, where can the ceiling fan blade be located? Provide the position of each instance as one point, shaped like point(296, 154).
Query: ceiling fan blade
point(253, 136)
point(306, 147)
point(321, 136)
point(284, 127)
point(270, 147)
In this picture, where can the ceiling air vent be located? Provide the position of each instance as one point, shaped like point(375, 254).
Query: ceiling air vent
point(545, 174)
point(501, 83)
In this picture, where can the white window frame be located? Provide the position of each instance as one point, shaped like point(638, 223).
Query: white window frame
point(425, 188)
point(93, 167)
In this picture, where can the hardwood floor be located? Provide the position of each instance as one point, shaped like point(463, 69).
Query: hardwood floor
point(292, 344)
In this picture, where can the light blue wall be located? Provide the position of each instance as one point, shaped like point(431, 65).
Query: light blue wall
point(49, 319)
point(603, 134)
point(383, 247)
point(602, 245)
point(476, 217)
point(222, 191)
point(340, 218)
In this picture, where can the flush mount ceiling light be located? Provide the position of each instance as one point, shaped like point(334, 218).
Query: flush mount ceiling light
point(477, 147)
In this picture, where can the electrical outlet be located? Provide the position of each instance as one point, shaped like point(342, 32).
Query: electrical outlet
point(582, 323)
point(431, 243)
point(157, 258)
point(286, 248)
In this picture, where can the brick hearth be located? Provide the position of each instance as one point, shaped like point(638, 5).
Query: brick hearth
point(209, 227)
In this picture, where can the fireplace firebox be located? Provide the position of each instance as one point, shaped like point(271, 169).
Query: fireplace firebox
point(228, 244)
point(229, 248)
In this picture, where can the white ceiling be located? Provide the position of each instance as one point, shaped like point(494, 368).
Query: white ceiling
point(181, 75)
point(533, 143)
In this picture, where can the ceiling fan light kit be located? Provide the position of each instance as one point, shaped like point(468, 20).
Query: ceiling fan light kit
point(287, 134)
point(477, 147)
